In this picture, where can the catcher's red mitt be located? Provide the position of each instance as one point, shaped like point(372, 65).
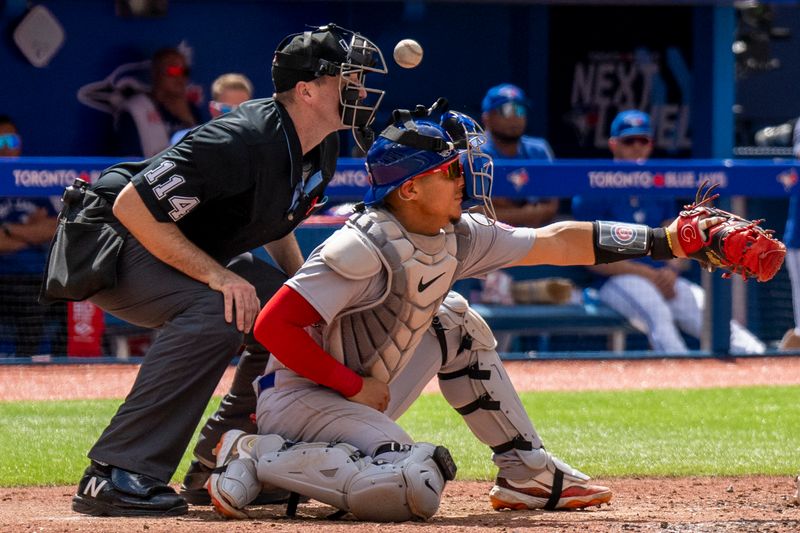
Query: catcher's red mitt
point(737, 245)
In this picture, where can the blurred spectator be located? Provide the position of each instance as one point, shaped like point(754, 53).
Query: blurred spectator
point(228, 92)
point(505, 117)
point(651, 294)
point(10, 141)
point(27, 226)
point(148, 120)
point(791, 238)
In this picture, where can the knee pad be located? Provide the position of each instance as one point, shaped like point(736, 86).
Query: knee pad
point(379, 493)
point(409, 488)
point(315, 469)
point(455, 312)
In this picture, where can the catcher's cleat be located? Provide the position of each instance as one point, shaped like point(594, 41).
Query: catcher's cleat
point(106, 490)
point(193, 488)
point(536, 494)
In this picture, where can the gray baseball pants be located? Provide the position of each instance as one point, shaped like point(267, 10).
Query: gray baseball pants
point(193, 347)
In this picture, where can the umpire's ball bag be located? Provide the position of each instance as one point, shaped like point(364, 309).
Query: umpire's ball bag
point(84, 251)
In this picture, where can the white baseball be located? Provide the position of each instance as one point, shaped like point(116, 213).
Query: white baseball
point(408, 53)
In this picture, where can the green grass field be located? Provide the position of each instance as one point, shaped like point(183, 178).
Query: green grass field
point(729, 431)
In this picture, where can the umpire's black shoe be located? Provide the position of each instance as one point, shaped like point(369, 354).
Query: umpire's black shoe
point(195, 492)
point(106, 490)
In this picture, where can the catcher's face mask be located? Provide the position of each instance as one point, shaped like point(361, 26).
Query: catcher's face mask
point(478, 165)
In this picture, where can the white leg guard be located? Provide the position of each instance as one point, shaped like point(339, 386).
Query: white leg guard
point(234, 482)
point(234, 488)
point(475, 383)
point(407, 488)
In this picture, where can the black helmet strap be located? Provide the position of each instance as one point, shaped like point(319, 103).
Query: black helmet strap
point(410, 136)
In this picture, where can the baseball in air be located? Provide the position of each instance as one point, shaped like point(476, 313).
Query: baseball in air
point(408, 53)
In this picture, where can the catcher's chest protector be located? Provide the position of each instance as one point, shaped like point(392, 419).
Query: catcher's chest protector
point(379, 339)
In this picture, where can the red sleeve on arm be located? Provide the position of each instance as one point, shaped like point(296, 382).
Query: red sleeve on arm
point(279, 328)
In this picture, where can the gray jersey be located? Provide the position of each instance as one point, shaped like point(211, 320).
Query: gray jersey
point(490, 248)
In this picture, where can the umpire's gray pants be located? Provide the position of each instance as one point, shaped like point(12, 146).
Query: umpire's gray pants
point(152, 428)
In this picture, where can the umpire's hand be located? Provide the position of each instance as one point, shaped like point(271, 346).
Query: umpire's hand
point(373, 393)
point(239, 295)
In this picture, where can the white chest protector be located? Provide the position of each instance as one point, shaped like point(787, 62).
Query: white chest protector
point(379, 338)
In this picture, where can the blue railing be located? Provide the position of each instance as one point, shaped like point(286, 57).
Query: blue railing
point(46, 176)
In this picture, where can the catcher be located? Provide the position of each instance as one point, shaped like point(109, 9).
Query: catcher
point(370, 319)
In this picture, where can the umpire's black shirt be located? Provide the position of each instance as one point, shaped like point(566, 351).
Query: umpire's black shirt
point(229, 184)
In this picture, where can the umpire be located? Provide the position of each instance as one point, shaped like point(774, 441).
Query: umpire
point(162, 243)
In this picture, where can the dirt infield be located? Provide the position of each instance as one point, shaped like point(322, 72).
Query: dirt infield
point(720, 504)
point(665, 505)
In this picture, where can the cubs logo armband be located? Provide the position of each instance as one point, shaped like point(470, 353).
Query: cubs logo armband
point(616, 241)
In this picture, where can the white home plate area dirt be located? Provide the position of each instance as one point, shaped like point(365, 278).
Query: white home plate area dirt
point(707, 504)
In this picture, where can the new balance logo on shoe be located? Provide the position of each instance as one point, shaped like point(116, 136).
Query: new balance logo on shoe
point(93, 488)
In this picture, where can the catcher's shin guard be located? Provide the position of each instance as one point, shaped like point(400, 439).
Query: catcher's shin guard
point(475, 383)
point(407, 488)
point(478, 387)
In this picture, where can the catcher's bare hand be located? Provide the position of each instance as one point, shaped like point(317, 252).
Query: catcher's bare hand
point(374, 393)
point(239, 295)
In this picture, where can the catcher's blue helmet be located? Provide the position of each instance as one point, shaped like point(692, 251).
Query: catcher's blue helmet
point(412, 146)
point(391, 162)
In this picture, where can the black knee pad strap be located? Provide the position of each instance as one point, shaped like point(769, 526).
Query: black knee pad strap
point(517, 443)
point(485, 402)
point(473, 371)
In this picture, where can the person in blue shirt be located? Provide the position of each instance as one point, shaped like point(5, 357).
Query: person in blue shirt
point(26, 227)
point(791, 238)
point(505, 118)
point(651, 294)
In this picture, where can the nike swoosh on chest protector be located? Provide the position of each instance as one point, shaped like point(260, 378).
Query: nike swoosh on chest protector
point(422, 285)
